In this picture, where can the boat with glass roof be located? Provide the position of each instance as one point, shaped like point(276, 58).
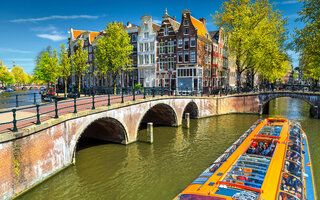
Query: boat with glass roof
point(270, 161)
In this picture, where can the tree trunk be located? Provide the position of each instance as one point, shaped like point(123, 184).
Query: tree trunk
point(114, 77)
point(65, 88)
point(79, 84)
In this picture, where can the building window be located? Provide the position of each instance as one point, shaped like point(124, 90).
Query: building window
point(134, 59)
point(152, 58)
point(180, 43)
point(206, 59)
point(186, 56)
point(210, 48)
point(186, 31)
point(193, 42)
point(186, 22)
point(134, 47)
point(151, 46)
point(90, 49)
point(206, 47)
point(146, 35)
point(171, 63)
point(171, 47)
point(146, 59)
point(140, 59)
point(193, 56)
point(141, 47)
point(146, 46)
point(186, 43)
point(180, 57)
point(161, 48)
point(162, 62)
point(134, 38)
point(166, 31)
point(209, 59)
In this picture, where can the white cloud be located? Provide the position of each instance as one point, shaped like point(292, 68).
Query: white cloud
point(54, 37)
point(289, 2)
point(13, 50)
point(34, 20)
point(156, 21)
point(19, 59)
point(44, 29)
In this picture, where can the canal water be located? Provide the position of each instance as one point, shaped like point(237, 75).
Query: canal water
point(8, 99)
point(162, 170)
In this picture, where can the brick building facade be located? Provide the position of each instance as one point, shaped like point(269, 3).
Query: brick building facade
point(166, 51)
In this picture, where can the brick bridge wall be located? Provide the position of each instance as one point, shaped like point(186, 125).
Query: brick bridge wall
point(34, 153)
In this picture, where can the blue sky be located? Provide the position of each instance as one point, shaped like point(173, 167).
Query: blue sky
point(27, 27)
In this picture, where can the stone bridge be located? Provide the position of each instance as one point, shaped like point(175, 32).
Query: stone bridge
point(36, 152)
point(313, 99)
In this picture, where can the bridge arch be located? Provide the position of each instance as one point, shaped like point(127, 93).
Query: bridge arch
point(159, 114)
point(102, 128)
point(266, 98)
point(191, 108)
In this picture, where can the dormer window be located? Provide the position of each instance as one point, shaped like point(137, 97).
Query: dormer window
point(186, 31)
point(186, 22)
point(146, 35)
point(166, 31)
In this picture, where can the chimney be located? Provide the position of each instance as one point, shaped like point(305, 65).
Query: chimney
point(203, 20)
point(174, 18)
point(128, 23)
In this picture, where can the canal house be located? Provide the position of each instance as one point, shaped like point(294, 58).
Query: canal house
point(147, 52)
point(166, 51)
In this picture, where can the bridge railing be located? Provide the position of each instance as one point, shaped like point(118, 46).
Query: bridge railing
point(14, 119)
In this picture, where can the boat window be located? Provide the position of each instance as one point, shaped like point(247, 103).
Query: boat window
point(295, 140)
point(294, 147)
point(270, 130)
point(249, 170)
point(262, 147)
point(198, 197)
point(294, 156)
point(287, 196)
point(292, 168)
point(292, 185)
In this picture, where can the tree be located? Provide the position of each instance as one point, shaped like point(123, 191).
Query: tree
point(6, 76)
point(113, 52)
point(19, 75)
point(65, 66)
point(306, 40)
point(255, 36)
point(79, 62)
point(47, 68)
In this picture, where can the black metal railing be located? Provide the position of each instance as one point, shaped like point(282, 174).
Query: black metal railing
point(92, 98)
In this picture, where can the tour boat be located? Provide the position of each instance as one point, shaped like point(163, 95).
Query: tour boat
point(270, 161)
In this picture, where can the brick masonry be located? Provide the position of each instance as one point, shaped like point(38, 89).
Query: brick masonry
point(35, 153)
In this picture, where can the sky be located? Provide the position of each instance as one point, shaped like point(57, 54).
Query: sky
point(27, 27)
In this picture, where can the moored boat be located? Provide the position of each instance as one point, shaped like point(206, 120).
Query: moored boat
point(270, 161)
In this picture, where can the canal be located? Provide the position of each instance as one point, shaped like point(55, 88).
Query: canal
point(9, 99)
point(163, 169)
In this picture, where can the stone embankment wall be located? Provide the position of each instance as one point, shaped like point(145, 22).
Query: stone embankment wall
point(37, 152)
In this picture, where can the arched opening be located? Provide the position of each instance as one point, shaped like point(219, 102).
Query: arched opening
point(288, 107)
point(159, 115)
point(102, 131)
point(192, 109)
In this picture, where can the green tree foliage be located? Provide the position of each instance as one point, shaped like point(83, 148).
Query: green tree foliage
point(6, 76)
point(79, 62)
point(255, 36)
point(47, 68)
point(113, 52)
point(307, 39)
point(65, 66)
point(19, 75)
